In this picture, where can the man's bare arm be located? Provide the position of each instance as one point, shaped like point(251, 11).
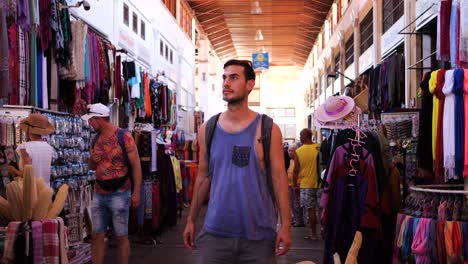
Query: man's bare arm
point(278, 173)
point(297, 167)
point(202, 182)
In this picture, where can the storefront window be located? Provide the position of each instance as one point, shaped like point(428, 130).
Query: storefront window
point(367, 33)
point(126, 18)
point(349, 47)
point(135, 23)
point(392, 11)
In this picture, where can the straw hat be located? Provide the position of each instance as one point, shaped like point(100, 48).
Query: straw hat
point(37, 124)
point(334, 108)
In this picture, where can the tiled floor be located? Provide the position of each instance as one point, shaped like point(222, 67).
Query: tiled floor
point(172, 249)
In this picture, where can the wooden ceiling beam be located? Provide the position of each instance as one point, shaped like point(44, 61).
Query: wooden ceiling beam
point(198, 5)
point(222, 42)
point(220, 35)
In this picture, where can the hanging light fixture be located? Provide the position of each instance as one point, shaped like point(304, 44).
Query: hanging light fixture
point(256, 9)
point(258, 35)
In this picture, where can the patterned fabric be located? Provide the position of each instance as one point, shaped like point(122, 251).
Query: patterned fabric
point(112, 164)
point(309, 198)
point(22, 67)
point(148, 199)
point(38, 247)
point(12, 233)
point(50, 229)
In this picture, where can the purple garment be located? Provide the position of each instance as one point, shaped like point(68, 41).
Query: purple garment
point(23, 14)
point(45, 30)
point(432, 246)
point(345, 216)
point(339, 167)
point(38, 246)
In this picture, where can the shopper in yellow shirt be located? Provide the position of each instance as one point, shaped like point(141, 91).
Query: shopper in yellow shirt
point(296, 210)
point(306, 178)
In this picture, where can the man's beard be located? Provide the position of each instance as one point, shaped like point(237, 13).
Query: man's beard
point(235, 100)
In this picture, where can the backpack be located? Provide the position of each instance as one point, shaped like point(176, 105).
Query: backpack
point(267, 125)
point(115, 184)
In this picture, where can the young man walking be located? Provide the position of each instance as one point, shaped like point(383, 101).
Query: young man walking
point(306, 178)
point(240, 224)
point(113, 186)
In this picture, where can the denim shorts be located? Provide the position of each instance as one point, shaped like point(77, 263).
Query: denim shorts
point(111, 208)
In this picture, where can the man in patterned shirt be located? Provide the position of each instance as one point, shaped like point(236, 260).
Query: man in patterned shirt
point(113, 184)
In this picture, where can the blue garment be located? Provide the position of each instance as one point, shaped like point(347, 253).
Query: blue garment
point(459, 121)
point(407, 240)
point(39, 77)
point(240, 204)
point(87, 66)
point(453, 34)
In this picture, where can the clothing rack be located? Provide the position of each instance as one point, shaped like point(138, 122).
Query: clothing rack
point(103, 36)
point(434, 189)
point(414, 21)
point(36, 109)
point(421, 60)
point(397, 49)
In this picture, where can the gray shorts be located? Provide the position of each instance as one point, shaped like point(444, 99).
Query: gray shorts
point(310, 198)
point(224, 250)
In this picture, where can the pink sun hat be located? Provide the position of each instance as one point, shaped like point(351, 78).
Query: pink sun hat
point(334, 108)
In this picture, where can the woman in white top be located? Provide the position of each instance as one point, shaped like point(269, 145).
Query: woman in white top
point(39, 151)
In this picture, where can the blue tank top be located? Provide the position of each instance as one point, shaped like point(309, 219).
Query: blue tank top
point(240, 203)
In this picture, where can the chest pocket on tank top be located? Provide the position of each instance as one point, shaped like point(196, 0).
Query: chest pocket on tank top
point(241, 156)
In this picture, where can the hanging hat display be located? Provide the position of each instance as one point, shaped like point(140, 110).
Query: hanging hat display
point(334, 108)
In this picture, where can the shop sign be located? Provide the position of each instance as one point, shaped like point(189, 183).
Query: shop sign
point(260, 61)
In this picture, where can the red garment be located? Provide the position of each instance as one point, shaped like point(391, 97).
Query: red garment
point(147, 95)
point(44, 25)
point(156, 205)
point(14, 65)
point(444, 17)
point(193, 168)
point(457, 243)
point(439, 159)
point(117, 77)
point(441, 241)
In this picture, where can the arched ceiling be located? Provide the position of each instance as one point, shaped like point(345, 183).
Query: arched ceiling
point(289, 27)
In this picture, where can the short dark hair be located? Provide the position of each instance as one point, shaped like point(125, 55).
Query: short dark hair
point(306, 133)
point(248, 70)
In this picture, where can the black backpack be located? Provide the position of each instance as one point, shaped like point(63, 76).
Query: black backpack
point(267, 125)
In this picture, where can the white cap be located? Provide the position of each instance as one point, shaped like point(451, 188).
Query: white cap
point(98, 110)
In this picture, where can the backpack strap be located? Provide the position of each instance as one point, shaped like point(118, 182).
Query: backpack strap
point(120, 138)
point(209, 133)
point(267, 126)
